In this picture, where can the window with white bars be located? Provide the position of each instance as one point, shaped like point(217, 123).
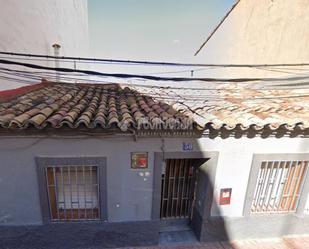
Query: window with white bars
point(73, 192)
point(279, 186)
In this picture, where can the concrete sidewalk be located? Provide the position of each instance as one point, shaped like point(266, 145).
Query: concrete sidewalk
point(300, 242)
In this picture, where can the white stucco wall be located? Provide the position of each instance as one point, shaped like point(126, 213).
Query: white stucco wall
point(307, 205)
point(133, 193)
point(33, 26)
point(260, 32)
point(256, 32)
point(235, 160)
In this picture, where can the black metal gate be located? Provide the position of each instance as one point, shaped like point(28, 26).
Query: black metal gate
point(178, 188)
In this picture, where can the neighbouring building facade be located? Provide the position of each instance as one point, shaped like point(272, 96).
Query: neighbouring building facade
point(35, 26)
point(110, 154)
point(260, 32)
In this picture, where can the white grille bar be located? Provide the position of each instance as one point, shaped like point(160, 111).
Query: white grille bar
point(73, 192)
point(278, 186)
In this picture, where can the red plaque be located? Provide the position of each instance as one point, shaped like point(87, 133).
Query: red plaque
point(225, 196)
point(139, 160)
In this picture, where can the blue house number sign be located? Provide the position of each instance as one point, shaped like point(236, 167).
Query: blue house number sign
point(187, 146)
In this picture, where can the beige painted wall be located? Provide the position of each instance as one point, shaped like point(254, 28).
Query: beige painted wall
point(261, 32)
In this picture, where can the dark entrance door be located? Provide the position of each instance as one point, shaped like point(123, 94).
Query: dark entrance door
point(178, 189)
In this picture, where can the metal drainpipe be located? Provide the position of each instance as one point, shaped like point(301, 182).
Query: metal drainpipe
point(57, 53)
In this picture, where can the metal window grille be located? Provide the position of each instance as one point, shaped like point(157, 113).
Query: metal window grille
point(178, 184)
point(279, 186)
point(73, 192)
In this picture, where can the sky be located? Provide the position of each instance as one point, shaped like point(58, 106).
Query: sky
point(166, 30)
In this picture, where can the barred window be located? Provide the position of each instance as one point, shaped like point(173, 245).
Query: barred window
point(279, 186)
point(73, 192)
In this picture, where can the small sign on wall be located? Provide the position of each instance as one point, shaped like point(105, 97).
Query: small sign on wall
point(139, 160)
point(187, 146)
point(225, 196)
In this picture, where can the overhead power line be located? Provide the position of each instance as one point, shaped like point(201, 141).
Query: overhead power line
point(165, 93)
point(125, 76)
point(266, 83)
point(74, 76)
point(152, 63)
point(287, 70)
point(35, 76)
point(184, 97)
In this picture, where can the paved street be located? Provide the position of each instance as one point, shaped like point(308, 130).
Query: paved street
point(301, 242)
point(99, 236)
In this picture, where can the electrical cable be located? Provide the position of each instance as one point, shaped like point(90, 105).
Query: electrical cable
point(67, 76)
point(280, 71)
point(123, 75)
point(274, 69)
point(150, 63)
point(181, 98)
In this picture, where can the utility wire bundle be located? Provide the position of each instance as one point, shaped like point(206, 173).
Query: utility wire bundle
point(37, 72)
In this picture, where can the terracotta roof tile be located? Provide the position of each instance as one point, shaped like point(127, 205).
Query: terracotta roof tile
point(232, 105)
point(113, 107)
point(86, 106)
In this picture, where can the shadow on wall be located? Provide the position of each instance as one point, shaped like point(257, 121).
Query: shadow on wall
point(252, 132)
point(207, 227)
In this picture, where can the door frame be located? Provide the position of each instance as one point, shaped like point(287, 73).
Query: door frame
point(207, 169)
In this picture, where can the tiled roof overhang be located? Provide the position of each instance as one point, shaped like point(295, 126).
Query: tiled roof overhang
point(89, 107)
point(242, 108)
point(111, 108)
